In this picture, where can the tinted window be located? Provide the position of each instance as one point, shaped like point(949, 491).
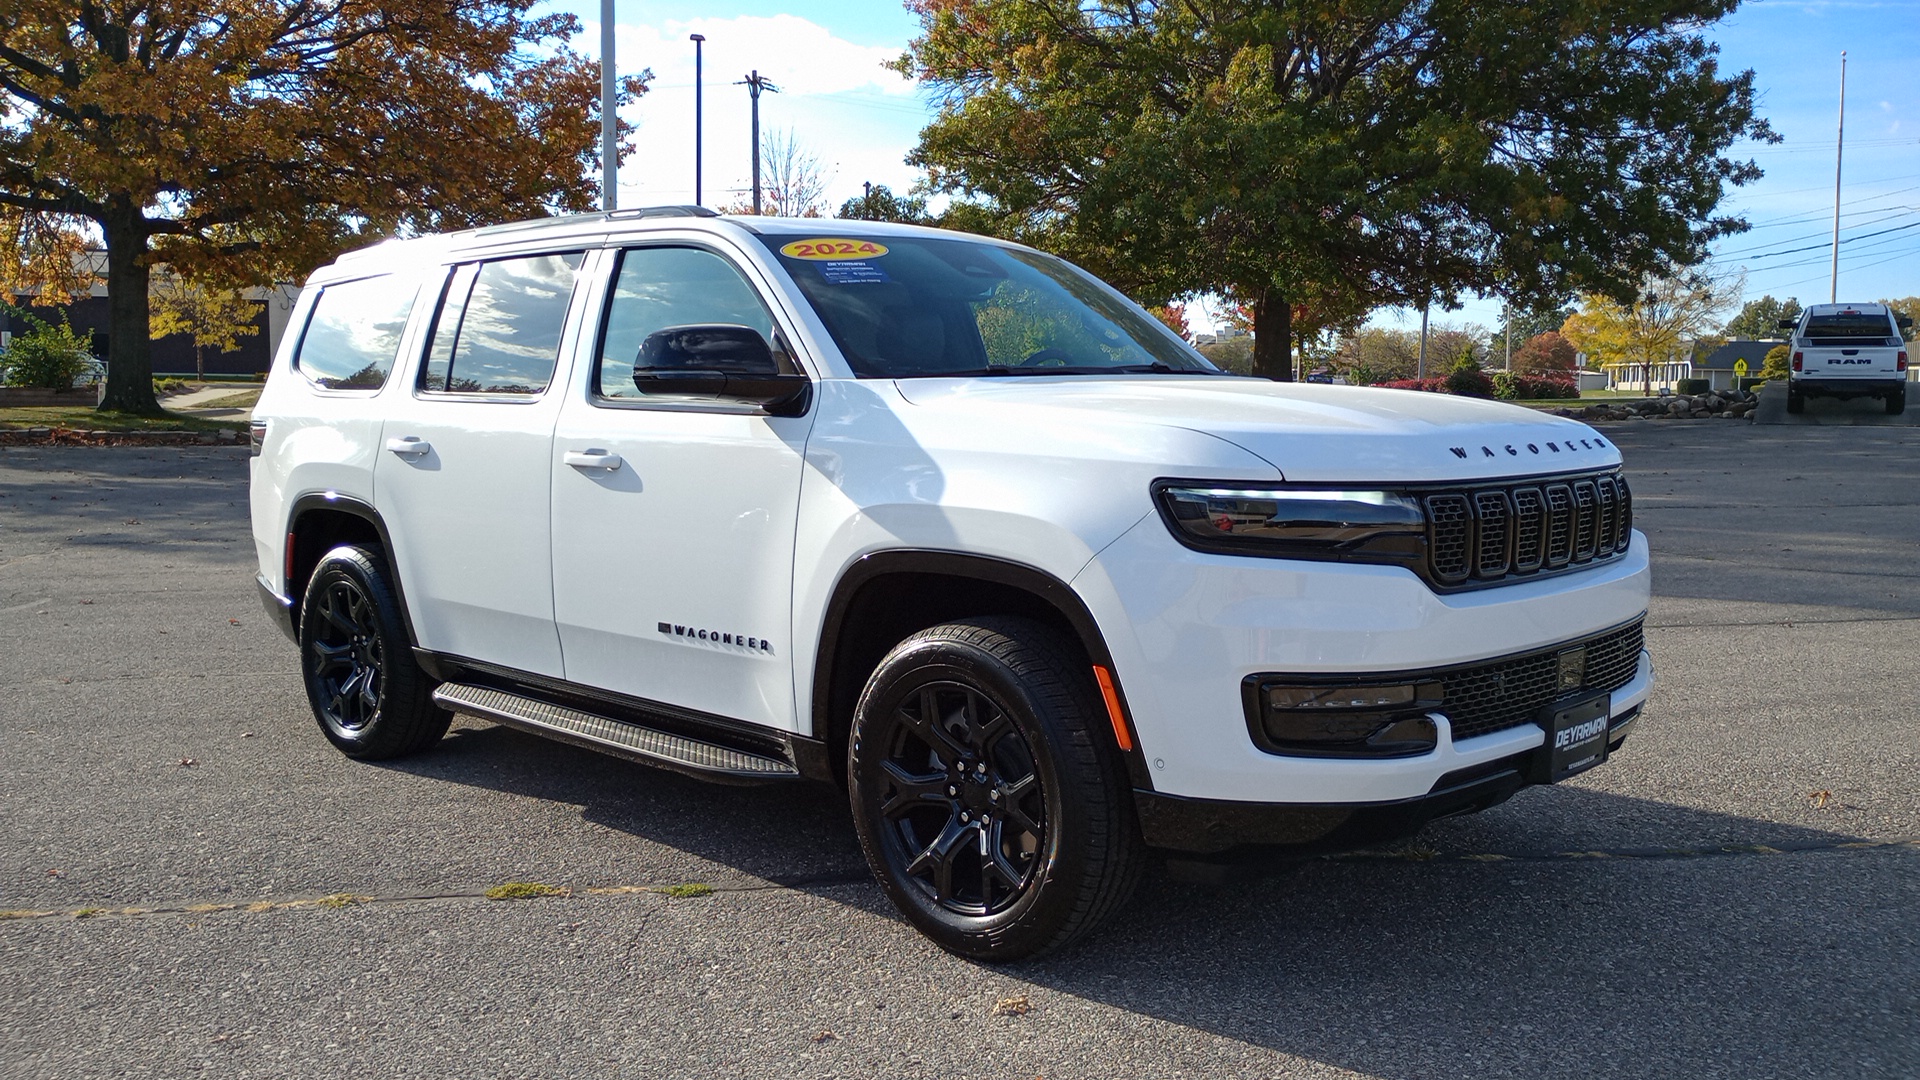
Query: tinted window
point(674, 286)
point(354, 333)
point(498, 331)
point(1856, 329)
point(903, 306)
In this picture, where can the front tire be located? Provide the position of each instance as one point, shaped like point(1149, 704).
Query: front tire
point(987, 794)
point(368, 694)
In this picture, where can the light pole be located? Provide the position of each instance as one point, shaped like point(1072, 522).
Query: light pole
point(609, 123)
point(697, 39)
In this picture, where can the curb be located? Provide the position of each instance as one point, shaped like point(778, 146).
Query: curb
point(60, 436)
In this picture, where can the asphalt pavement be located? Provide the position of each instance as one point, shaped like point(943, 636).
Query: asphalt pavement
point(196, 884)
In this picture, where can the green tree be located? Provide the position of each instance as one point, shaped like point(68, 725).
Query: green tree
point(879, 203)
point(1334, 156)
point(45, 356)
point(1910, 307)
point(215, 318)
point(248, 143)
point(1759, 320)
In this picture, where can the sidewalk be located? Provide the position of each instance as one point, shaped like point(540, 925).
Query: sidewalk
point(186, 403)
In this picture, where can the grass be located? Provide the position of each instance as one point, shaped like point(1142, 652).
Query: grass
point(526, 890)
point(82, 418)
point(682, 892)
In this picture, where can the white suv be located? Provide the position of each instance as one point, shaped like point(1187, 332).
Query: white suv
point(1847, 351)
point(940, 519)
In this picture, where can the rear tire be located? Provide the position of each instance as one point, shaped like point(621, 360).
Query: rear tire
point(1897, 401)
point(986, 790)
point(368, 694)
point(1796, 401)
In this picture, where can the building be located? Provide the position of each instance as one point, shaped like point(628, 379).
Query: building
point(1721, 367)
point(173, 355)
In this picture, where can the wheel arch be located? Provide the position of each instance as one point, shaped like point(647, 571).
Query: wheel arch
point(886, 596)
point(321, 521)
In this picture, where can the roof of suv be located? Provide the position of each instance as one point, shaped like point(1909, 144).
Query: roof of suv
point(1847, 309)
point(655, 216)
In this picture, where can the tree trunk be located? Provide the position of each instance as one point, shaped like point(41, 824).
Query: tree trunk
point(1273, 337)
point(130, 353)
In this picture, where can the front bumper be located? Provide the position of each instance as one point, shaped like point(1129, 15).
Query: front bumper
point(1214, 827)
point(279, 609)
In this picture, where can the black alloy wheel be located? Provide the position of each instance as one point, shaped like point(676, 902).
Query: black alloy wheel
point(988, 795)
point(368, 694)
point(964, 810)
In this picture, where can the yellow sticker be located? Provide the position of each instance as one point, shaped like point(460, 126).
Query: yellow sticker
point(836, 250)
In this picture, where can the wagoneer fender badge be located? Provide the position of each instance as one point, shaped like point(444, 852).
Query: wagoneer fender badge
point(716, 637)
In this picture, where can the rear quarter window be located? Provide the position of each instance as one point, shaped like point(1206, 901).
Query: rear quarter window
point(353, 335)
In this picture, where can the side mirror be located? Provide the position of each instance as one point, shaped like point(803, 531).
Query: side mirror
point(719, 360)
point(1905, 322)
point(1788, 324)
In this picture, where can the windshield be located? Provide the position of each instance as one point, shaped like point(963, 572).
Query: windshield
point(906, 307)
point(1850, 329)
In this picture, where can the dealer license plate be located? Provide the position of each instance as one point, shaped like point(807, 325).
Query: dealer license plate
point(1576, 736)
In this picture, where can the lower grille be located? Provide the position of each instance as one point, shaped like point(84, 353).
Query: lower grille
point(1486, 698)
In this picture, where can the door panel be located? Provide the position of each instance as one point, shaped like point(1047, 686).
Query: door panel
point(464, 481)
point(673, 567)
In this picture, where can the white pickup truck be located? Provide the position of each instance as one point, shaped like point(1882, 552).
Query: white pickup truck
point(1848, 351)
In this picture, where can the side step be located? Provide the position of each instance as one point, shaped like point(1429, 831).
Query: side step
point(643, 744)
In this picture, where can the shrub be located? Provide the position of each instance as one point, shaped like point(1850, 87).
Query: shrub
point(1692, 386)
point(47, 356)
point(1467, 380)
point(1778, 364)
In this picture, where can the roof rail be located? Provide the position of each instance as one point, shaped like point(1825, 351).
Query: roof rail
point(680, 210)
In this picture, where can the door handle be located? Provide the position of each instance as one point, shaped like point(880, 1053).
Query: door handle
point(592, 459)
point(410, 446)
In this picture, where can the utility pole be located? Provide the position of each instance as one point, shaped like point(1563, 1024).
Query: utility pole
point(1839, 151)
point(696, 39)
point(755, 83)
point(609, 123)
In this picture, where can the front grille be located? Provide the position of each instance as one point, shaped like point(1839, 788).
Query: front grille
point(1486, 698)
point(1506, 532)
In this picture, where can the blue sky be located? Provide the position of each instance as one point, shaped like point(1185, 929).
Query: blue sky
point(860, 121)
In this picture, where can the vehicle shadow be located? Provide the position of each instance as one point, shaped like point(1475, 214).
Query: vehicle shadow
point(1562, 933)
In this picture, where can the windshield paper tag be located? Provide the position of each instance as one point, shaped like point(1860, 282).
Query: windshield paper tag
point(852, 273)
point(853, 250)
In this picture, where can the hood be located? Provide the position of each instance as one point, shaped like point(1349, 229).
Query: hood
point(1310, 432)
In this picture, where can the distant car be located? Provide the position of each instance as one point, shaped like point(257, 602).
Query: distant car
point(1848, 351)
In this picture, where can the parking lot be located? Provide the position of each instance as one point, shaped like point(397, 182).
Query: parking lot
point(197, 884)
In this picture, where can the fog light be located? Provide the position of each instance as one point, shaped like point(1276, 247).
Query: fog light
point(1343, 720)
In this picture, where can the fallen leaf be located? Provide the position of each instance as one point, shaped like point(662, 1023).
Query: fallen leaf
point(233, 622)
point(1820, 798)
point(189, 761)
point(1017, 1005)
point(825, 1036)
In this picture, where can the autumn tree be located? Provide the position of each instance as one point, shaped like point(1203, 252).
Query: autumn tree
point(1759, 320)
point(879, 203)
point(246, 143)
point(1546, 353)
point(214, 318)
point(1670, 313)
point(1339, 154)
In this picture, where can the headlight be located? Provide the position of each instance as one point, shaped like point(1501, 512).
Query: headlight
point(1361, 526)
